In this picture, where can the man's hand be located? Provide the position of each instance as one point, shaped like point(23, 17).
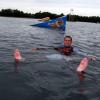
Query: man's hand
point(93, 58)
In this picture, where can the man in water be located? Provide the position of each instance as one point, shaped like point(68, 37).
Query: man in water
point(65, 49)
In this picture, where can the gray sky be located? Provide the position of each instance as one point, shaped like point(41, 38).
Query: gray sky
point(80, 7)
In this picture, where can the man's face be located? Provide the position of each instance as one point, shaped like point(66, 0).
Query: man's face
point(67, 41)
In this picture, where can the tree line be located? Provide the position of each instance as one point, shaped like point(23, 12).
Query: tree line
point(18, 13)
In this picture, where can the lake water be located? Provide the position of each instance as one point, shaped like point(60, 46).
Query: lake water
point(38, 78)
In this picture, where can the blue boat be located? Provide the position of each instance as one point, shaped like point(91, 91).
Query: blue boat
point(58, 23)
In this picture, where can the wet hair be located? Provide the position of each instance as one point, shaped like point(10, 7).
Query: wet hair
point(68, 37)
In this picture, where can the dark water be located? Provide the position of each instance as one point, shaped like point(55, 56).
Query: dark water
point(38, 78)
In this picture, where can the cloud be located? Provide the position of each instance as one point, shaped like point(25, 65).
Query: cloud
point(56, 6)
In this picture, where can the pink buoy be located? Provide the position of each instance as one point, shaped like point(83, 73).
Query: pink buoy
point(83, 65)
point(17, 55)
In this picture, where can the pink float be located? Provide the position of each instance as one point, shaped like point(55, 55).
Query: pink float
point(17, 55)
point(83, 65)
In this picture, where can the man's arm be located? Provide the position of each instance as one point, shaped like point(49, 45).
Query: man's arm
point(78, 51)
point(55, 48)
point(35, 49)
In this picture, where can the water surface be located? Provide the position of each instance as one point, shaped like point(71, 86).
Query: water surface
point(38, 78)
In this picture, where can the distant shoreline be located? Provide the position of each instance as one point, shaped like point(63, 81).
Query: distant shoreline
point(20, 14)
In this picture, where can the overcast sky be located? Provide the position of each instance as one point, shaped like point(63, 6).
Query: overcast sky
point(80, 7)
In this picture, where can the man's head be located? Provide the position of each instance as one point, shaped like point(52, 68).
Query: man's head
point(67, 40)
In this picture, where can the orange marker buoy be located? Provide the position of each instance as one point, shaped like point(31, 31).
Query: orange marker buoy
point(83, 65)
point(17, 55)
